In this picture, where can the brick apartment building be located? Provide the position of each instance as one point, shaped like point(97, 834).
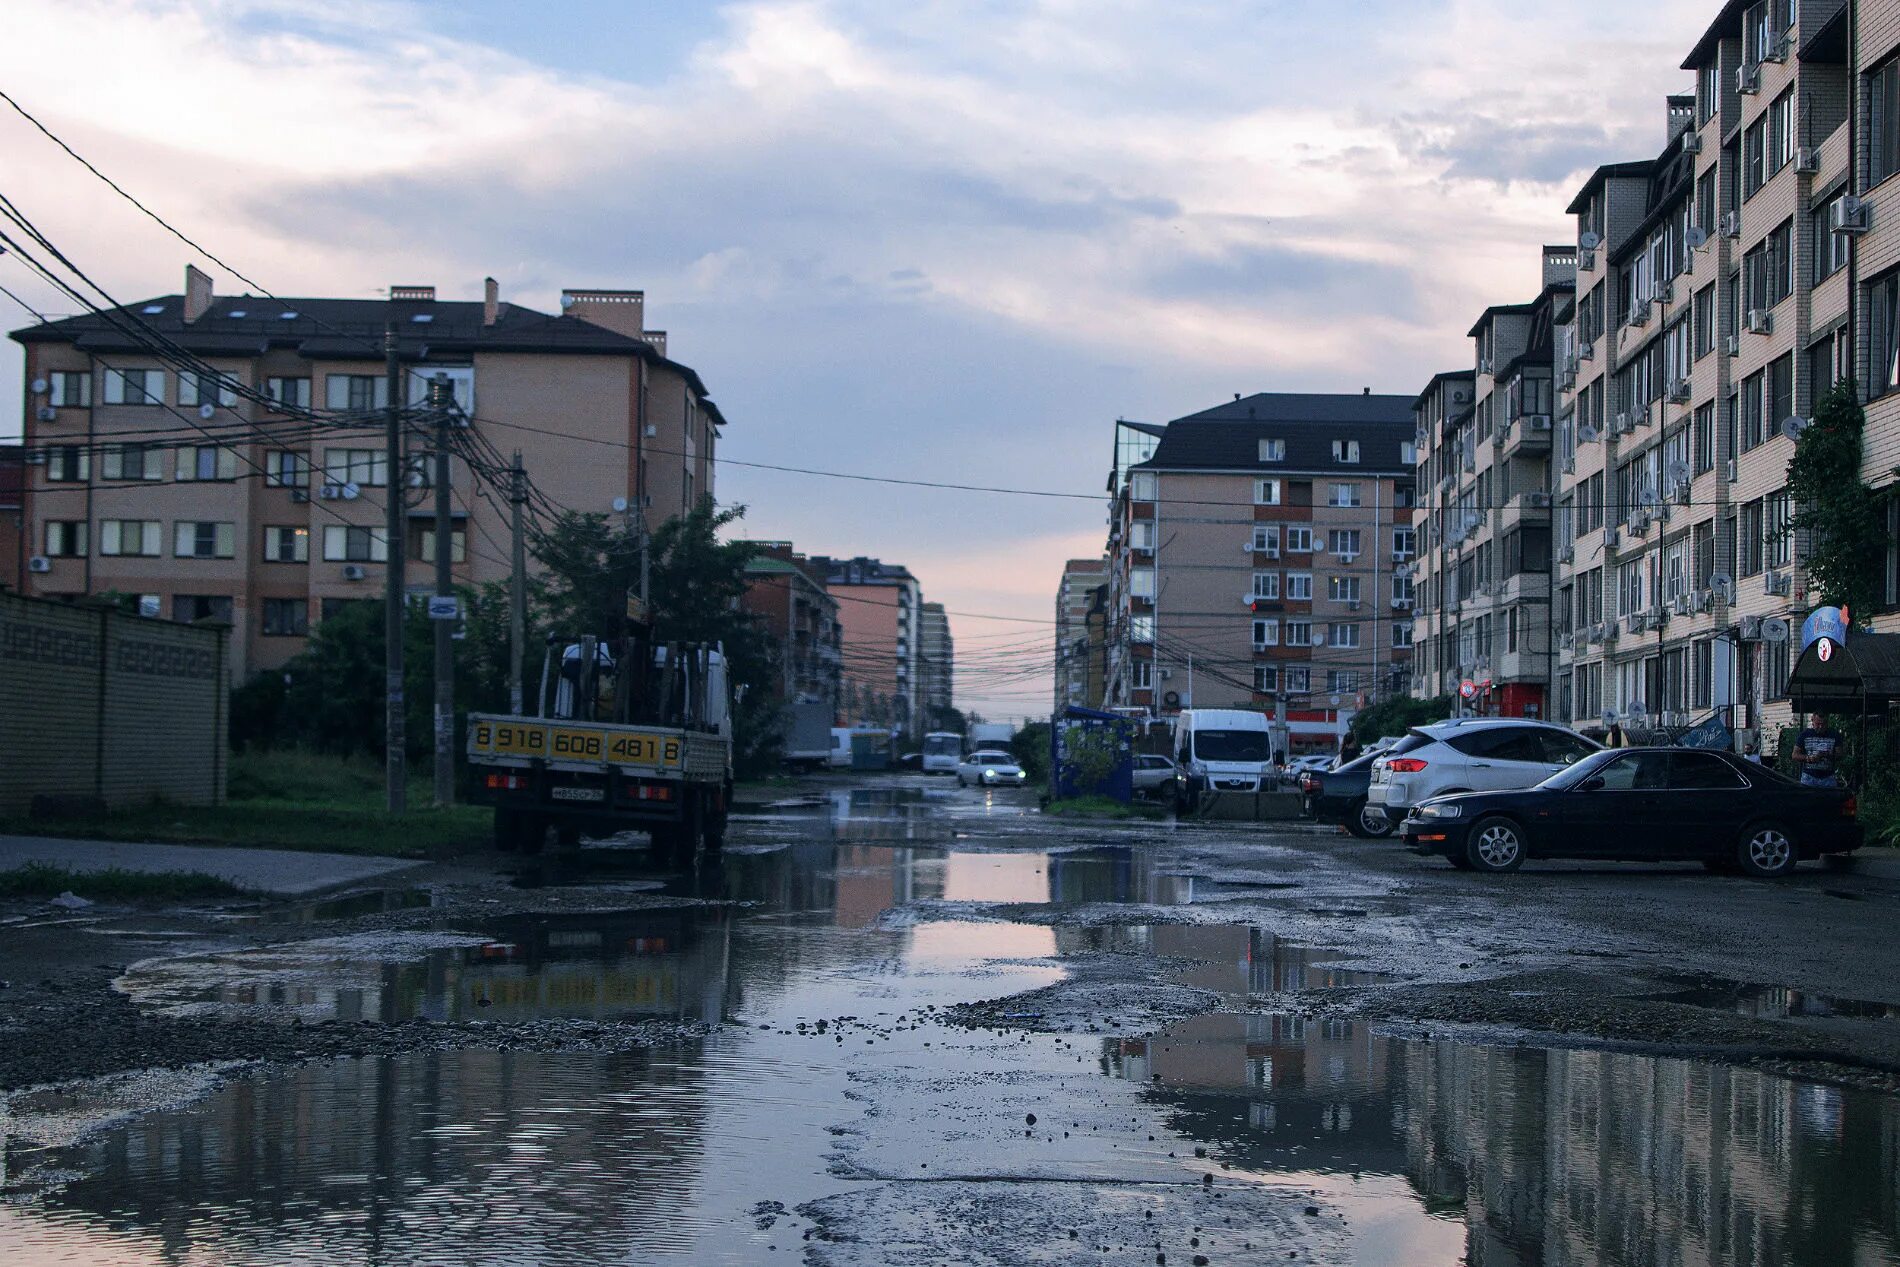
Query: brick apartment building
point(1252, 561)
point(208, 504)
point(1722, 285)
point(1080, 579)
point(880, 609)
point(786, 591)
point(937, 666)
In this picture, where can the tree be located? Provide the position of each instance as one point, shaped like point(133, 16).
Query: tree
point(1847, 542)
point(1397, 714)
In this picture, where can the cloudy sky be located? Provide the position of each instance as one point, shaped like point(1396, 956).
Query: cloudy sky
point(947, 241)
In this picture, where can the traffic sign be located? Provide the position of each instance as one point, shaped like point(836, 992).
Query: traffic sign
point(1467, 688)
point(447, 607)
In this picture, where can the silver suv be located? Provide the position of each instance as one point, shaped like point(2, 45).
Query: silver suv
point(1470, 754)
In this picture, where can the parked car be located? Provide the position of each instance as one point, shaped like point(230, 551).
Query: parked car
point(1646, 805)
point(1339, 796)
point(1154, 776)
point(1470, 754)
point(1221, 750)
point(1312, 761)
point(990, 769)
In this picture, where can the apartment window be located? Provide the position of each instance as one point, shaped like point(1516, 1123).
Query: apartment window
point(1299, 633)
point(1266, 585)
point(1883, 122)
point(1748, 540)
point(288, 393)
point(1780, 141)
point(1141, 582)
point(1775, 665)
point(1401, 633)
point(1345, 450)
point(189, 607)
point(1266, 492)
point(1883, 332)
point(1702, 443)
point(133, 537)
point(1299, 539)
point(1140, 628)
point(1821, 365)
point(1266, 539)
point(1777, 516)
point(68, 463)
point(422, 546)
point(69, 389)
point(1755, 157)
point(1342, 589)
point(355, 393)
point(135, 387)
point(1143, 485)
point(1342, 681)
point(131, 462)
point(1297, 681)
point(349, 543)
point(1408, 453)
point(286, 543)
point(206, 389)
point(1830, 249)
point(362, 467)
point(1343, 542)
point(1768, 270)
point(66, 538)
point(1299, 587)
point(206, 462)
point(1266, 633)
point(1273, 450)
point(203, 539)
point(1779, 404)
point(1702, 553)
point(1702, 316)
point(1344, 634)
point(1402, 588)
point(1629, 588)
point(286, 469)
point(1266, 679)
point(1404, 543)
point(1144, 679)
point(1343, 495)
point(1708, 91)
point(286, 617)
point(1752, 429)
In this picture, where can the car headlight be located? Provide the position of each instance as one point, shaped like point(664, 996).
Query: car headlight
point(1441, 811)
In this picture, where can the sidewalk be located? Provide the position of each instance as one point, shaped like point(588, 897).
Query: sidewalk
point(270, 872)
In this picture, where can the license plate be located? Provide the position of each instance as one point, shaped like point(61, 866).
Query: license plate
point(579, 794)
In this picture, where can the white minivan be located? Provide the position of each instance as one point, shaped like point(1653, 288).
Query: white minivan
point(1222, 750)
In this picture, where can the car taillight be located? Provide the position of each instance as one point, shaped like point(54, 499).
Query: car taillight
point(1405, 765)
point(1850, 807)
point(1308, 783)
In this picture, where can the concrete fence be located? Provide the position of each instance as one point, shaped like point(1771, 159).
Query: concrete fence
point(97, 704)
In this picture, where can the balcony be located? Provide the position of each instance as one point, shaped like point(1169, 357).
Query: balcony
point(1527, 435)
point(1531, 506)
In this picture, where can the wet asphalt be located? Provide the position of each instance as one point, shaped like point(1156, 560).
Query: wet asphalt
point(899, 1022)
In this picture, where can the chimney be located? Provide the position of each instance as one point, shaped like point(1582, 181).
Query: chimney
point(1365, 391)
point(491, 301)
point(412, 294)
point(1560, 265)
point(622, 311)
point(197, 293)
point(657, 338)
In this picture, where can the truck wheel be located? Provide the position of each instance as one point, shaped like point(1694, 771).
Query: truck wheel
point(534, 833)
point(716, 818)
point(567, 837)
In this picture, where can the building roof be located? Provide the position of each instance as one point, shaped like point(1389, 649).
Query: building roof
point(1085, 565)
point(1302, 407)
point(859, 571)
point(1727, 23)
point(1235, 445)
point(1432, 383)
point(1596, 178)
point(347, 329)
point(1498, 310)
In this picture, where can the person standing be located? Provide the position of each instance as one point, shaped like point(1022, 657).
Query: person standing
point(1349, 750)
point(1817, 754)
point(1615, 738)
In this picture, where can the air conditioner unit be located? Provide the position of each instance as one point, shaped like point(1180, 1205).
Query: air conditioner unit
point(1665, 293)
point(354, 572)
point(1566, 642)
point(46, 413)
point(1570, 465)
point(39, 563)
point(36, 457)
point(1566, 380)
point(1348, 558)
point(1681, 492)
point(1606, 632)
point(1566, 554)
point(1537, 422)
point(1748, 80)
point(1402, 604)
point(1639, 313)
point(1692, 142)
point(1728, 470)
point(1679, 604)
point(1537, 501)
point(1352, 604)
point(1620, 424)
point(1701, 601)
point(1777, 51)
point(330, 492)
point(1612, 539)
point(1679, 391)
point(1777, 583)
point(1806, 161)
point(1587, 350)
point(1760, 321)
point(1402, 557)
point(1750, 629)
point(1586, 260)
point(300, 494)
point(1848, 214)
point(1731, 224)
point(1731, 345)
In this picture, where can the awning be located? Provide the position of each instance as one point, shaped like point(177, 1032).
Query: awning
point(1862, 673)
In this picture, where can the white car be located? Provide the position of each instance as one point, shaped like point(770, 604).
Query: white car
point(1470, 754)
point(1313, 762)
point(990, 769)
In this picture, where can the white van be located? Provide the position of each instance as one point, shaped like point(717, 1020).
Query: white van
point(1223, 749)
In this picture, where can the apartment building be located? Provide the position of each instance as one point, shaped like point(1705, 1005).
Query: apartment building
point(1252, 561)
point(936, 666)
point(1080, 578)
point(207, 497)
point(787, 594)
point(880, 609)
point(1484, 442)
point(1125, 680)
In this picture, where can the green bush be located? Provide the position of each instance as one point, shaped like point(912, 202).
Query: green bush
point(1398, 714)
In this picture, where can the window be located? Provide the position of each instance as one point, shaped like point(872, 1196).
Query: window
point(1266, 633)
point(1342, 589)
point(286, 469)
point(1402, 588)
point(1266, 539)
point(206, 462)
point(206, 389)
point(1299, 539)
point(1708, 91)
point(288, 393)
point(1297, 681)
point(1344, 634)
point(1343, 495)
point(1401, 633)
point(189, 607)
point(1273, 450)
point(422, 546)
point(1821, 373)
point(1341, 681)
point(1299, 586)
point(1345, 450)
point(131, 462)
point(356, 393)
point(1266, 492)
point(1748, 540)
point(1778, 404)
point(1883, 332)
point(1768, 269)
point(66, 538)
point(1883, 122)
point(1266, 679)
point(362, 467)
point(1343, 542)
point(1830, 249)
point(1702, 317)
point(1777, 522)
point(135, 387)
point(1141, 580)
point(348, 543)
point(203, 539)
point(1752, 430)
point(1140, 628)
point(69, 389)
point(286, 543)
point(1141, 535)
point(1629, 588)
point(1774, 659)
point(462, 382)
point(1702, 440)
point(1408, 453)
point(286, 617)
point(130, 537)
point(1299, 633)
point(1755, 157)
point(1404, 543)
point(1266, 585)
point(68, 463)
point(1143, 486)
point(1779, 146)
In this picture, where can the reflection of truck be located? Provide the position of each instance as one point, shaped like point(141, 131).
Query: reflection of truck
point(808, 735)
point(639, 741)
point(942, 750)
point(990, 736)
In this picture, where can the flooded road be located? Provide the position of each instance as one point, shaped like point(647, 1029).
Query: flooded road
point(839, 1110)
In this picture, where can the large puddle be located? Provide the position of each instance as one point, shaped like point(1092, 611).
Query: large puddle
point(832, 1118)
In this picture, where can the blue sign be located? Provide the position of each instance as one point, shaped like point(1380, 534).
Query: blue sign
point(1713, 732)
point(1823, 622)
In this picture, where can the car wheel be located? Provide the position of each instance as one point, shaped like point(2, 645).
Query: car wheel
point(1369, 823)
point(1766, 851)
point(1495, 844)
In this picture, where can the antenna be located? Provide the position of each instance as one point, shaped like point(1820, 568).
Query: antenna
point(1793, 426)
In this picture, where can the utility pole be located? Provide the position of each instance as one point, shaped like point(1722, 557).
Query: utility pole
point(517, 587)
point(442, 404)
point(395, 767)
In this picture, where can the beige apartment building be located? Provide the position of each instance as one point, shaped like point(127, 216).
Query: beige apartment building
point(1253, 560)
point(936, 666)
point(880, 607)
point(1080, 579)
point(217, 495)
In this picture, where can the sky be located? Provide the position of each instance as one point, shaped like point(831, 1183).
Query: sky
point(948, 241)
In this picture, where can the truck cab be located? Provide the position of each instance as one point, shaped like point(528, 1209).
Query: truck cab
point(1223, 750)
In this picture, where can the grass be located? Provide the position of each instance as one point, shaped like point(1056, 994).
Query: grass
point(1103, 807)
point(42, 879)
point(289, 800)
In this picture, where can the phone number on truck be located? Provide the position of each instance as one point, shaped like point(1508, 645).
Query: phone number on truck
point(568, 743)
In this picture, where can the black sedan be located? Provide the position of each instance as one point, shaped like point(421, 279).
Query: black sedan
point(1339, 796)
point(1643, 805)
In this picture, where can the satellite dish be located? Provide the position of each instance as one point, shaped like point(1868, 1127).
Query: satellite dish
point(1646, 496)
point(46, 413)
point(1607, 717)
point(1172, 699)
point(1774, 629)
point(351, 492)
point(1634, 711)
point(1724, 586)
point(1451, 679)
point(620, 505)
point(1588, 433)
point(1695, 236)
point(1792, 427)
point(1589, 241)
point(1677, 471)
point(206, 410)
point(41, 387)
